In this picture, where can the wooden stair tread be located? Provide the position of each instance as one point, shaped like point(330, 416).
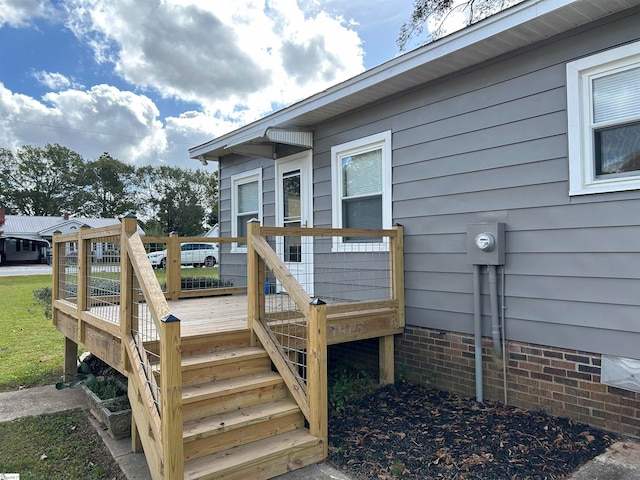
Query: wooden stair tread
point(222, 357)
point(224, 422)
point(233, 462)
point(194, 393)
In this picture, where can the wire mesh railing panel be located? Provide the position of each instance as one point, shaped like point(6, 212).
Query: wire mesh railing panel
point(147, 340)
point(286, 325)
point(103, 278)
point(67, 265)
point(232, 263)
point(157, 255)
point(334, 270)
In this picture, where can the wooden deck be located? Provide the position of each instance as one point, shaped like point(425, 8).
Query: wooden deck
point(201, 316)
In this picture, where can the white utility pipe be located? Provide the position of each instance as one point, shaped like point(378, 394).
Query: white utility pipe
point(495, 315)
point(477, 328)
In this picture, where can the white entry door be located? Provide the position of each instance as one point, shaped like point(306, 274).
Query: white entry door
point(294, 197)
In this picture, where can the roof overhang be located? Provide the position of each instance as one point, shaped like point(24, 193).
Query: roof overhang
point(31, 238)
point(263, 146)
point(519, 26)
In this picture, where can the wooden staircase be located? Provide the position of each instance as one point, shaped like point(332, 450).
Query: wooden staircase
point(239, 419)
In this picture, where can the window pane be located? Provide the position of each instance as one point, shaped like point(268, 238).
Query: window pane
point(248, 197)
point(362, 213)
point(291, 193)
point(616, 96)
point(362, 173)
point(293, 246)
point(617, 149)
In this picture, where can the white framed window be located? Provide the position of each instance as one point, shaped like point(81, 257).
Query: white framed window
point(361, 186)
point(246, 203)
point(603, 109)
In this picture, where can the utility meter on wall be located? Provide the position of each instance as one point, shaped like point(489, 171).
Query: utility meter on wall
point(485, 243)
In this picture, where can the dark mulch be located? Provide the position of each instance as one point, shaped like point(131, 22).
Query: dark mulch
point(412, 432)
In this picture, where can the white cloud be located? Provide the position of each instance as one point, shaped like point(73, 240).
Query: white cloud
point(236, 59)
point(17, 13)
point(54, 80)
point(90, 122)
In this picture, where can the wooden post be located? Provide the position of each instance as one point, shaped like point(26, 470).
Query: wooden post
point(70, 359)
point(171, 397)
point(84, 263)
point(396, 257)
point(129, 226)
point(136, 439)
point(317, 396)
point(57, 273)
point(174, 266)
point(254, 263)
point(386, 360)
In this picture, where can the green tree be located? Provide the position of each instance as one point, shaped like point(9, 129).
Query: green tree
point(433, 14)
point(109, 188)
point(175, 200)
point(41, 181)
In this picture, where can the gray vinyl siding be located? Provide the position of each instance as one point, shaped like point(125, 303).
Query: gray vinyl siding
point(233, 266)
point(490, 144)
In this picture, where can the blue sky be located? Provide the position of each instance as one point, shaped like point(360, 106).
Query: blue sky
point(147, 79)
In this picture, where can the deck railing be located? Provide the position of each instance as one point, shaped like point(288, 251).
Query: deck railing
point(300, 276)
point(120, 294)
point(178, 281)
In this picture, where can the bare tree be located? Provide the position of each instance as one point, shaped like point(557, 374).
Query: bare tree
point(433, 15)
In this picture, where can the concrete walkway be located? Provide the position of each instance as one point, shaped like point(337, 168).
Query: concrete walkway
point(39, 400)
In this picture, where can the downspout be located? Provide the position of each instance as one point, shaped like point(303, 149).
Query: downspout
point(495, 315)
point(477, 328)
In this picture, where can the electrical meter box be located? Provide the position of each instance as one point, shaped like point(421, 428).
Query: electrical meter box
point(485, 243)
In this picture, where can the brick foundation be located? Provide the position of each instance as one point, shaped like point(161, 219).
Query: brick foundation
point(560, 382)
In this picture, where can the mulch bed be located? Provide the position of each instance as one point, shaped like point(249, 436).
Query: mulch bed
point(409, 431)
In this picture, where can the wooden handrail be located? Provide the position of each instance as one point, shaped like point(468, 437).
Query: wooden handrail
point(108, 231)
point(170, 384)
point(326, 232)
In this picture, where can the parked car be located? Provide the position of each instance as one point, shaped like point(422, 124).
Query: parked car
point(195, 254)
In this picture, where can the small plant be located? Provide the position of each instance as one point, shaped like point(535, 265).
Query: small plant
point(106, 389)
point(43, 299)
point(402, 373)
point(398, 468)
point(428, 376)
point(347, 383)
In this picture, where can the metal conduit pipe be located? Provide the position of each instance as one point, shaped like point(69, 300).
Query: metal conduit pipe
point(495, 315)
point(477, 328)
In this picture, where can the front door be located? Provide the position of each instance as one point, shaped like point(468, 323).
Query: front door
point(294, 192)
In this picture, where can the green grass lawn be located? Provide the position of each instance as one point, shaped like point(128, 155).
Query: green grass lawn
point(56, 446)
point(31, 349)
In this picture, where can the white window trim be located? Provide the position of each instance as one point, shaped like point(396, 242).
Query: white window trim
point(582, 178)
point(361, 145)
point(240, 179)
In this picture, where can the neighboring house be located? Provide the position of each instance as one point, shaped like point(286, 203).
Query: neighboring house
point(528, 121)
point(27, 239)
point(214, 232)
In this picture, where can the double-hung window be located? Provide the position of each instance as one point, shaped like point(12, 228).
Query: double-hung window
point(246, 203)
point(361, 183)
point(603, 106)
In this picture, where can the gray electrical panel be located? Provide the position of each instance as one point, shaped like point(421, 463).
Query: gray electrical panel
point(485, 243)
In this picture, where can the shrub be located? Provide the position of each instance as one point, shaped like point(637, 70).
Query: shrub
point(43, 299)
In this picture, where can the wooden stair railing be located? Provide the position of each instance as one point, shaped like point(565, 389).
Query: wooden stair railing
point(157, 424)
point(311, 396)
